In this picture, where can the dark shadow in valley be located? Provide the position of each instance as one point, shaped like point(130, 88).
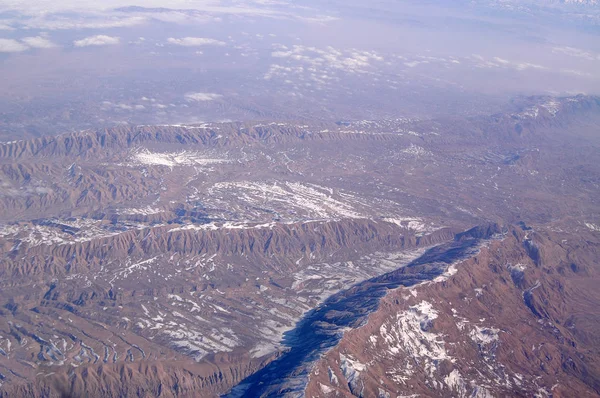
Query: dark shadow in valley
point(323, 327)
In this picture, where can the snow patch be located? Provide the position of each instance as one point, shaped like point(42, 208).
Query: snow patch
point(484, 336)
point(593, 227)
point(416, 150)
point(172, 159)
point(260, 350)
point(317, 201)
point(552, 106)
point(452, 270)
point(410, 334)
point(325, 389)
point(144, 211)
point(351, 369)
point(412, 223)
point(456, 383)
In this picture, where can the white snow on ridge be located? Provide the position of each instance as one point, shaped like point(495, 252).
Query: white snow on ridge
point(409, 334)
point(532, 112)
point(130, 268)
point(351, 369)
point(199, 344)
point(290, 202)
point(351, 364)
point(484, 336)
point(456, 383)
point(264, 348)
point(172, 159)
point(413, 223)
point(452, 270)
point(325, 389)
point(202, 126)
point(315, 200)
point(213, 226)
point(519, 267)
point(416, 150)
point(341, 275)
point(593, 227)
point(552, 106)
point(145, 211)
point(84, 230)
point(216, 225)
point(202, 97)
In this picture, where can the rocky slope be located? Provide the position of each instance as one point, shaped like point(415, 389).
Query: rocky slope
point(172, 260)
point(509, 323)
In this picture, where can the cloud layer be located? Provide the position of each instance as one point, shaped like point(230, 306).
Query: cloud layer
point(577, 52)
point(11, 46)
point(98, 40)
point(202, 97)
point(195, 42)
point(24, 44)
point(88, 14)
point(38, 42)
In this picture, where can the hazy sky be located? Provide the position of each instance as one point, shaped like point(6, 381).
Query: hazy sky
point(81, 64)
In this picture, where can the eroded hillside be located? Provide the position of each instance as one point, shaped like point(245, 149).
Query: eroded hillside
point(172, 260)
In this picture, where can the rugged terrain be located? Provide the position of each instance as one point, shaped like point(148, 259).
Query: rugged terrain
point(172, 260)
point(515, 320)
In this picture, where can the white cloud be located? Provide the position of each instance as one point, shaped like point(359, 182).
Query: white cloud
point(352, 61)
point(107, 105)
point(413, 64)
point(576, 72)
point(320, 68)
point(498, 62)
point(577, 52)
point(527, 65)
point(180, 17)
point(94, 14)
point(320, 19)
point(198, 97)
point(38, 42)
point(98, 40)
point(140, 40)
point(195, 41)
point(39, 7)
point(101, 21)
point(11, 46)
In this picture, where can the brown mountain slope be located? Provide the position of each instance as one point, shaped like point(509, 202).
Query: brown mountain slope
point(519, 319)
point(183, 254)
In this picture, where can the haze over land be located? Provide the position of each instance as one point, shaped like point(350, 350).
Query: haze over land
point(77, 65)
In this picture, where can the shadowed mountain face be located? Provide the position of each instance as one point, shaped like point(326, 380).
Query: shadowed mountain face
point(325, 259)
point(322, 328)
point(506, 324)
